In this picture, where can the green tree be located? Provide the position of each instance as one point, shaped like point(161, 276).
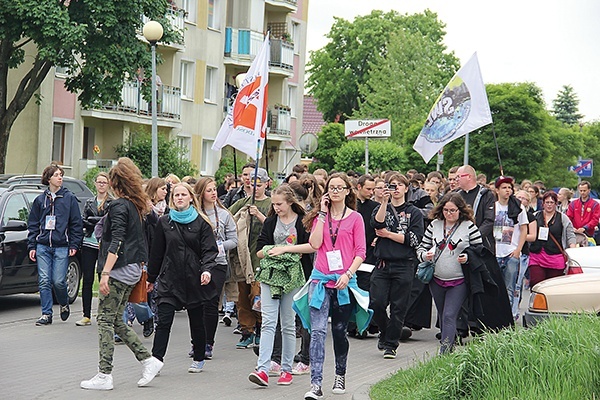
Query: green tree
point(404, 85)
point(337, 70)
point(330, 139)
point(522, 127)
point(383, 156)
point(95, 40)
point(566, 106)
point(172, 157)
point(591, 151)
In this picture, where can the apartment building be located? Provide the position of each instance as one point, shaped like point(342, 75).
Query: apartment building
point(197, 85)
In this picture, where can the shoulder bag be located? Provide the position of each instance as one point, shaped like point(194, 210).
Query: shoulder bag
point(426, 268)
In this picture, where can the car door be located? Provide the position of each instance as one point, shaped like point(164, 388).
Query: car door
point(18, 271)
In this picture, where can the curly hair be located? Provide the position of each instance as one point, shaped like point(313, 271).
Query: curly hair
point(465, 213)
point(126, 181)
point(49, 171)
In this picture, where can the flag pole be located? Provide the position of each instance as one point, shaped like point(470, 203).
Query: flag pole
point(466, 156)
point(254, 188)
point(497, 149)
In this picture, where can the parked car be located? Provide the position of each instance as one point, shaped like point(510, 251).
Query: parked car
point(570, 294)
point(76, 186)
point(18, 274)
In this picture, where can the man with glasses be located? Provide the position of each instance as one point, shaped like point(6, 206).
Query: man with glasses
point(584, 212)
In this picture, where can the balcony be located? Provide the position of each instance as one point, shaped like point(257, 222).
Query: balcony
point(176, 17)
point(288, 6)
point(279, 120)
point(133, 102)
point(242, 45)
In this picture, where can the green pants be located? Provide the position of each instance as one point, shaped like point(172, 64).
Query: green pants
point(110, 321)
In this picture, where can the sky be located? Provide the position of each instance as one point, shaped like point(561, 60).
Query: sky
point(551, 43)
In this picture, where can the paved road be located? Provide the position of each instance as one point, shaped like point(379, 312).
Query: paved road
point(49, 362)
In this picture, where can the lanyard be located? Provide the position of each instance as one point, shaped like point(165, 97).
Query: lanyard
point(332, 234)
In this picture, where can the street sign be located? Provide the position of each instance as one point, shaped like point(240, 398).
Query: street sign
point(584, 168)
point(370, 128)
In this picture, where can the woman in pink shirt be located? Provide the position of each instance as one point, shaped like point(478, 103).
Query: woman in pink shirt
point(338, 235)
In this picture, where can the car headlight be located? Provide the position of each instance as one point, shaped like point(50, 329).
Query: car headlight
point(537, 302)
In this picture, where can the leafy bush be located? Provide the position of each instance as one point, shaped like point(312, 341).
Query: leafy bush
point(171, 158)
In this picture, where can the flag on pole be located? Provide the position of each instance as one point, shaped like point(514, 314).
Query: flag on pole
point(245, 126)
point(461, 108)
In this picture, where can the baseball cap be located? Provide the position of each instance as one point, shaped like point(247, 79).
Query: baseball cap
point(261, 176)
point(503, 179)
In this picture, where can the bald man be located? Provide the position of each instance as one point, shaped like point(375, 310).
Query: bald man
point(483, 202)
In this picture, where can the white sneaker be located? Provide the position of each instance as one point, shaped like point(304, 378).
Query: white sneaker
point(99, 382)
point(152, 367)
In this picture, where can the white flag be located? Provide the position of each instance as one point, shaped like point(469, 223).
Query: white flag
point(461, 108)
point(245, 125)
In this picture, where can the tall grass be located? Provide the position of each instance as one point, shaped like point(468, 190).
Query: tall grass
point(558, 359)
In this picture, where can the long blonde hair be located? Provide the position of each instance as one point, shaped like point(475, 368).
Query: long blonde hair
point(192, 195)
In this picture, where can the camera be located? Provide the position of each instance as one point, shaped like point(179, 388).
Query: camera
point(392, 187)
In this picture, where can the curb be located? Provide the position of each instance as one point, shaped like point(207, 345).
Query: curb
point(362, 393)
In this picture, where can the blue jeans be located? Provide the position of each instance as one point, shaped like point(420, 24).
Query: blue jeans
point(340, 315)
point(272, 309)
point(509, 266)
point(519, 284)
point(52, 263)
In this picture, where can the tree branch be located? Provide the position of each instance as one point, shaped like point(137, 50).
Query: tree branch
point(22, 44)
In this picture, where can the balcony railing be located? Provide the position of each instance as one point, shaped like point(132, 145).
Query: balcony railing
point(169, 101)
point(175, 15)
point(279, 120)
point(244, 45)
point(290, 4)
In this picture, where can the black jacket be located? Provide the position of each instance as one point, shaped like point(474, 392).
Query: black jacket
point(123, 235)
point(178, 263)
point(266, 238)
point(488, 302)
point(484, 215)
point(91, 214)
point(411, 225)
point(365, 209)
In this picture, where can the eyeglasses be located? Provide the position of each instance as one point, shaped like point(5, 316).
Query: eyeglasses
point(461, 175)
point(453, 211)
point(337, 189)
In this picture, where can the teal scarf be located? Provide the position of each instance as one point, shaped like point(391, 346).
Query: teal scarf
point(183, 217)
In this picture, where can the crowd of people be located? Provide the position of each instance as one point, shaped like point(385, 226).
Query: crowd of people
point(286, 260)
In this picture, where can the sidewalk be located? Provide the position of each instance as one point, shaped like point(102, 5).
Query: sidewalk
point(49, 362)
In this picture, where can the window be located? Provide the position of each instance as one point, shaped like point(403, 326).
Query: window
point(210, 86)
point(292, 100)
point(62, 143)
point(184, 143)
point(88, 143)
point(16, 209)
point(187, 80)
point(214, 14)
point(190, 10)
point(296, 37)
point(207, 157)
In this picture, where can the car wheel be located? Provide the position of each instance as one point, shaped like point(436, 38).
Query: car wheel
point(73, 279)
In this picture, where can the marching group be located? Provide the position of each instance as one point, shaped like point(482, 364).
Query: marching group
point(287, 260)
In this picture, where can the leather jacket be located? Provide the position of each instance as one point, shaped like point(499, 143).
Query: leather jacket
point(91, 214)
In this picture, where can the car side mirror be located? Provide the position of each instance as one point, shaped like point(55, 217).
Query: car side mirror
point(14, 225)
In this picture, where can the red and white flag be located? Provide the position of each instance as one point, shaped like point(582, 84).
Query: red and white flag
point(461, 108)
point(245, 126)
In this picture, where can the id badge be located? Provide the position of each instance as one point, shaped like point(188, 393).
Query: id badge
point(221, 248)
point(50, 222)
point(334, 260)
point(543, 233)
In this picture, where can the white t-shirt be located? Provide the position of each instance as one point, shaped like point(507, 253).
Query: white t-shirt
point(507, 237)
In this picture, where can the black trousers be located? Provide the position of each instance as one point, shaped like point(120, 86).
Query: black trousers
point(211, 307)
point(88, 267)
point(391, 284)
point(166, 313)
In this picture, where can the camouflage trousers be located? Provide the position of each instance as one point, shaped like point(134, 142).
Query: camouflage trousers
point(110, 321)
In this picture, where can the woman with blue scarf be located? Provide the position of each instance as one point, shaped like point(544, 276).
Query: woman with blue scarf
point(183, 254)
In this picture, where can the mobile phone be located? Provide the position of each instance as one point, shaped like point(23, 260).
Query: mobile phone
point(392, 187)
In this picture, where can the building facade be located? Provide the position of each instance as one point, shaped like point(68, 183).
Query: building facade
point(196, 86)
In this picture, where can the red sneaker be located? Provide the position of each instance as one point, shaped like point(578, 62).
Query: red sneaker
point(285, 378)
point(259, 377)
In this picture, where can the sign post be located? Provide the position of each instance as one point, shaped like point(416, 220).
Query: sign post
point(371, 128)
point(584, 168)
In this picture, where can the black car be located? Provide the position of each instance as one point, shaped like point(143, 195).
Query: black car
point(18, 274)
point(76, 186)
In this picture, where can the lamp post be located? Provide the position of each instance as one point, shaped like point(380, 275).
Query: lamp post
point(153, 32)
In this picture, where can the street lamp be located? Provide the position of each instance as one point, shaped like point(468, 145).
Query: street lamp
point(153, 32)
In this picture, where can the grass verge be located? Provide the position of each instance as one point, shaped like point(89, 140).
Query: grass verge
point(558, 359)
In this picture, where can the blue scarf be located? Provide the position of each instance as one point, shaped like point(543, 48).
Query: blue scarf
point(184, 217)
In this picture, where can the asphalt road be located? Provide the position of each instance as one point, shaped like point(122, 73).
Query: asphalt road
point(49, 362)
